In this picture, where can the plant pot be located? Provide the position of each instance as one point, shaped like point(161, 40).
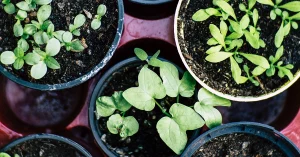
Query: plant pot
point(191, 40)
point(76, 68)
point(45, 144)
point(150, 139)
point(256, 130)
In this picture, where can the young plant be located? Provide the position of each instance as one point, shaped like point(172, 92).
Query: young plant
point(101, 11)
point(66, 38)
point(2, 154)
point(29, 5)
point(78, 22)
point(9, 8)
point(282, 70)
point(177, 120)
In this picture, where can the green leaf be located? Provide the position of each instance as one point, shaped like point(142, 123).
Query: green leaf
point(279, 36)
point(237, 72)
point(293, 6)
point(120, 103)
point(200, 15)
point(19, 53)
point(43, 2)
point(76, 32)
point(18, 64)
point(8, 57)
point(218, 57)
point(273, 15)
point(67, 37)
point(52, 63)
point(127, 126)
point(242, 7)
point(21, 15)
point(252, 39)
point(234, 35)
point(38, 38)
point(141, 54)
point(23, 6)
point(287, 73)
point(22, 43)
point(257, 60)
point(223, 28)
point(170, 132)
point(170, 77)
point(271, 71)
point(255, 17)
point(226, 8)
point(30, 29)
point(258, 71)
point(44, 13)
point(212, 41)
point(101, 10)
point(182, 114)
point(287, 28)
point(5, 2)
point(245, 21)
point(32, 58)
point(150, 88)
point(213, 11)
point(209, 99)
point(50, 29)
point(289, 66)
point(10, 8)
point(114, 123)
point(105, 106)
point(45, 25)
point(53, 47)
point(295, 25)
point(278, 54)
point(266, 2)
point(215, 32)
point(211, 115)
point(18, 29)
point(79, 20)
point(59, 35)
point(295, 17)
point(96, 24)
point(4, 155)
point(38, 70)
point(76, 46)
point(187, 85)
point(251, 4)
point(45, 37)
point(236, 27)
point(154, 61)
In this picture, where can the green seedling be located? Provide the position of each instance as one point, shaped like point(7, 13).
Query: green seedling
point(9, 8)
point(66, 38)
point(2, 154)
point(152, 87)
point(282, 70)
point(101, 11)
point(78, 22)
point(29, 5)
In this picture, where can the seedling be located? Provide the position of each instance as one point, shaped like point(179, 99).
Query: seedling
point(29, 5)
point(101, 11)
point(152, 87)
point(78, 22)
point(9, 8)
point(66, 38)
point(2, 154)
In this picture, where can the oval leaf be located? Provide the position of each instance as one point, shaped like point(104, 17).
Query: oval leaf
point(226, 8)
point(141, 54)
point(215, 32)
point(53, 47)
point(8, 57)
point(293, 6)
point(44, 13)
point(39, 70)
point(257, 60)
point(218, 57)
point(211, 115)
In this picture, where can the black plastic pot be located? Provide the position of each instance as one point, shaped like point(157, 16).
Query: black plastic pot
point(47, 136)
point(84, 78)
point(103, 82)
point(257, 129)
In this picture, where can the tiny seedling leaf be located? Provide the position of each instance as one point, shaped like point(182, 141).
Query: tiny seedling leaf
point(53, 47)
point(101, 10)
point(215, 32)
point(51, 63)
point(257, 60)
point(236, 72)
point(22, 43)
point(18, 64)
point(293, 6)
point(8, 57)
point(76, 46)
point(38, 70)
point(218, 57)
point(44, 13)
point(79, 20)
point(226, 8)
point(141, 54)
point(96, 24)
point(125, 126)
point(279, 36)
point(10, 8)
point(32, 58)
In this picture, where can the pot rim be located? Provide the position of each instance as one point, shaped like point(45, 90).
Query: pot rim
point(149, 2)
point(257, 129)
point(48, 136)
point(83, 78)
point(227, 96)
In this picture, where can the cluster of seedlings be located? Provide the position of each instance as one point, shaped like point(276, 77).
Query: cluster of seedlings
point(232, 34)
point(151, 87)
point(38, 41)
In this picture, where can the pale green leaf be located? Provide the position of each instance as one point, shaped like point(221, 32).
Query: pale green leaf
point(120, 103)
point(213, 11)
point(293, 6)
point(207, 98)
point(38, 38)
point(214, 49)
point(245, 21)
point(218, 57)
point(295, 17)
point(287, 28)
point(200, 15)
point(279, 36)
point(53, 47)
point(114, 123)
point(101, 10)
point(105, 106)
point(30, 29)
point(252, 39)
point(236, 27)
point(234, 35)
point(170, 76)
point(96, 24)
point(18, 29)
point(258, 71)
point(67, 37)
point(22, 43)
point(43, 2)
point(32, 58)
point(212, 41)
point(187, 85)
point(170, 132)
point(223, 28)
point(130, 127)
point(278, 54)
point(141, 54)
point(226, 8)
point(257, 60)
point(255, 17)
point(18, 64)
point(8, 57)
point(266, 2)
point(215, 32)
point(79, 20)
point(236, 72)
point(4, 155)
point(139, 98)
point(59, 35)
point(38, 70)
point(23, 6)
point(44, 13)
point(251, 4)
point(10, 8)
point(19, 53)
point(211, 115)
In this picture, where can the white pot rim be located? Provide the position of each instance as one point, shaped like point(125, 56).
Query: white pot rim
point(226, 96)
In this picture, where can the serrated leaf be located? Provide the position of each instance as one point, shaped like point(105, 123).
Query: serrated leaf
point(141, 54)
point(218, 57)
point(257, 60)
point(215, 32)
point(187, 85)
point(211, 115)
point(209, 99)
point(182, 114)
point(170, 132)
point(226, 8)
point(293, 6)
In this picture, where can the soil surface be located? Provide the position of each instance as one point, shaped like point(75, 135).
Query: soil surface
point(44, 147)
point(73, 65)
point(239, 145)
point(193, 37)
point(146, 143)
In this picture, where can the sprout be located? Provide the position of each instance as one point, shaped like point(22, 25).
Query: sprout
point(101, 11)
point(78, 22)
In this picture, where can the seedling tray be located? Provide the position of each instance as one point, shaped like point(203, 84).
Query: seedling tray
point(150, 32)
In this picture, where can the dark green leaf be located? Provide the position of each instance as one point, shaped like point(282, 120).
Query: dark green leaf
point(76, 46)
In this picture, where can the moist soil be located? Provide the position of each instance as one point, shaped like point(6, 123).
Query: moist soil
point(44, 147)
point(239, 145)
point(193, 37)
point(73, 65)
point(146, 143)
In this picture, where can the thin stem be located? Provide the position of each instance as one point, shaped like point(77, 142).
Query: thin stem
point(178, 98)
point(123, 114)
point(162, 109)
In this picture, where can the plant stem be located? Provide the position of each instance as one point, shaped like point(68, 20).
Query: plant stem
point(123, 114)
point(178, 98)
point(162, 109)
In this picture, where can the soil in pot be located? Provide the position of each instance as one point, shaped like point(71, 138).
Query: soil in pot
point(146, 143)
point(193, 37)
point(44, 147)
point(73, 65)
point(239, 145)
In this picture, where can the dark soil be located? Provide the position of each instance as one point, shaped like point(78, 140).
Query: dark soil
point(44, 147)
point(239, 145)
point(193, 43)
point(73, 65)
point(146, 143)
